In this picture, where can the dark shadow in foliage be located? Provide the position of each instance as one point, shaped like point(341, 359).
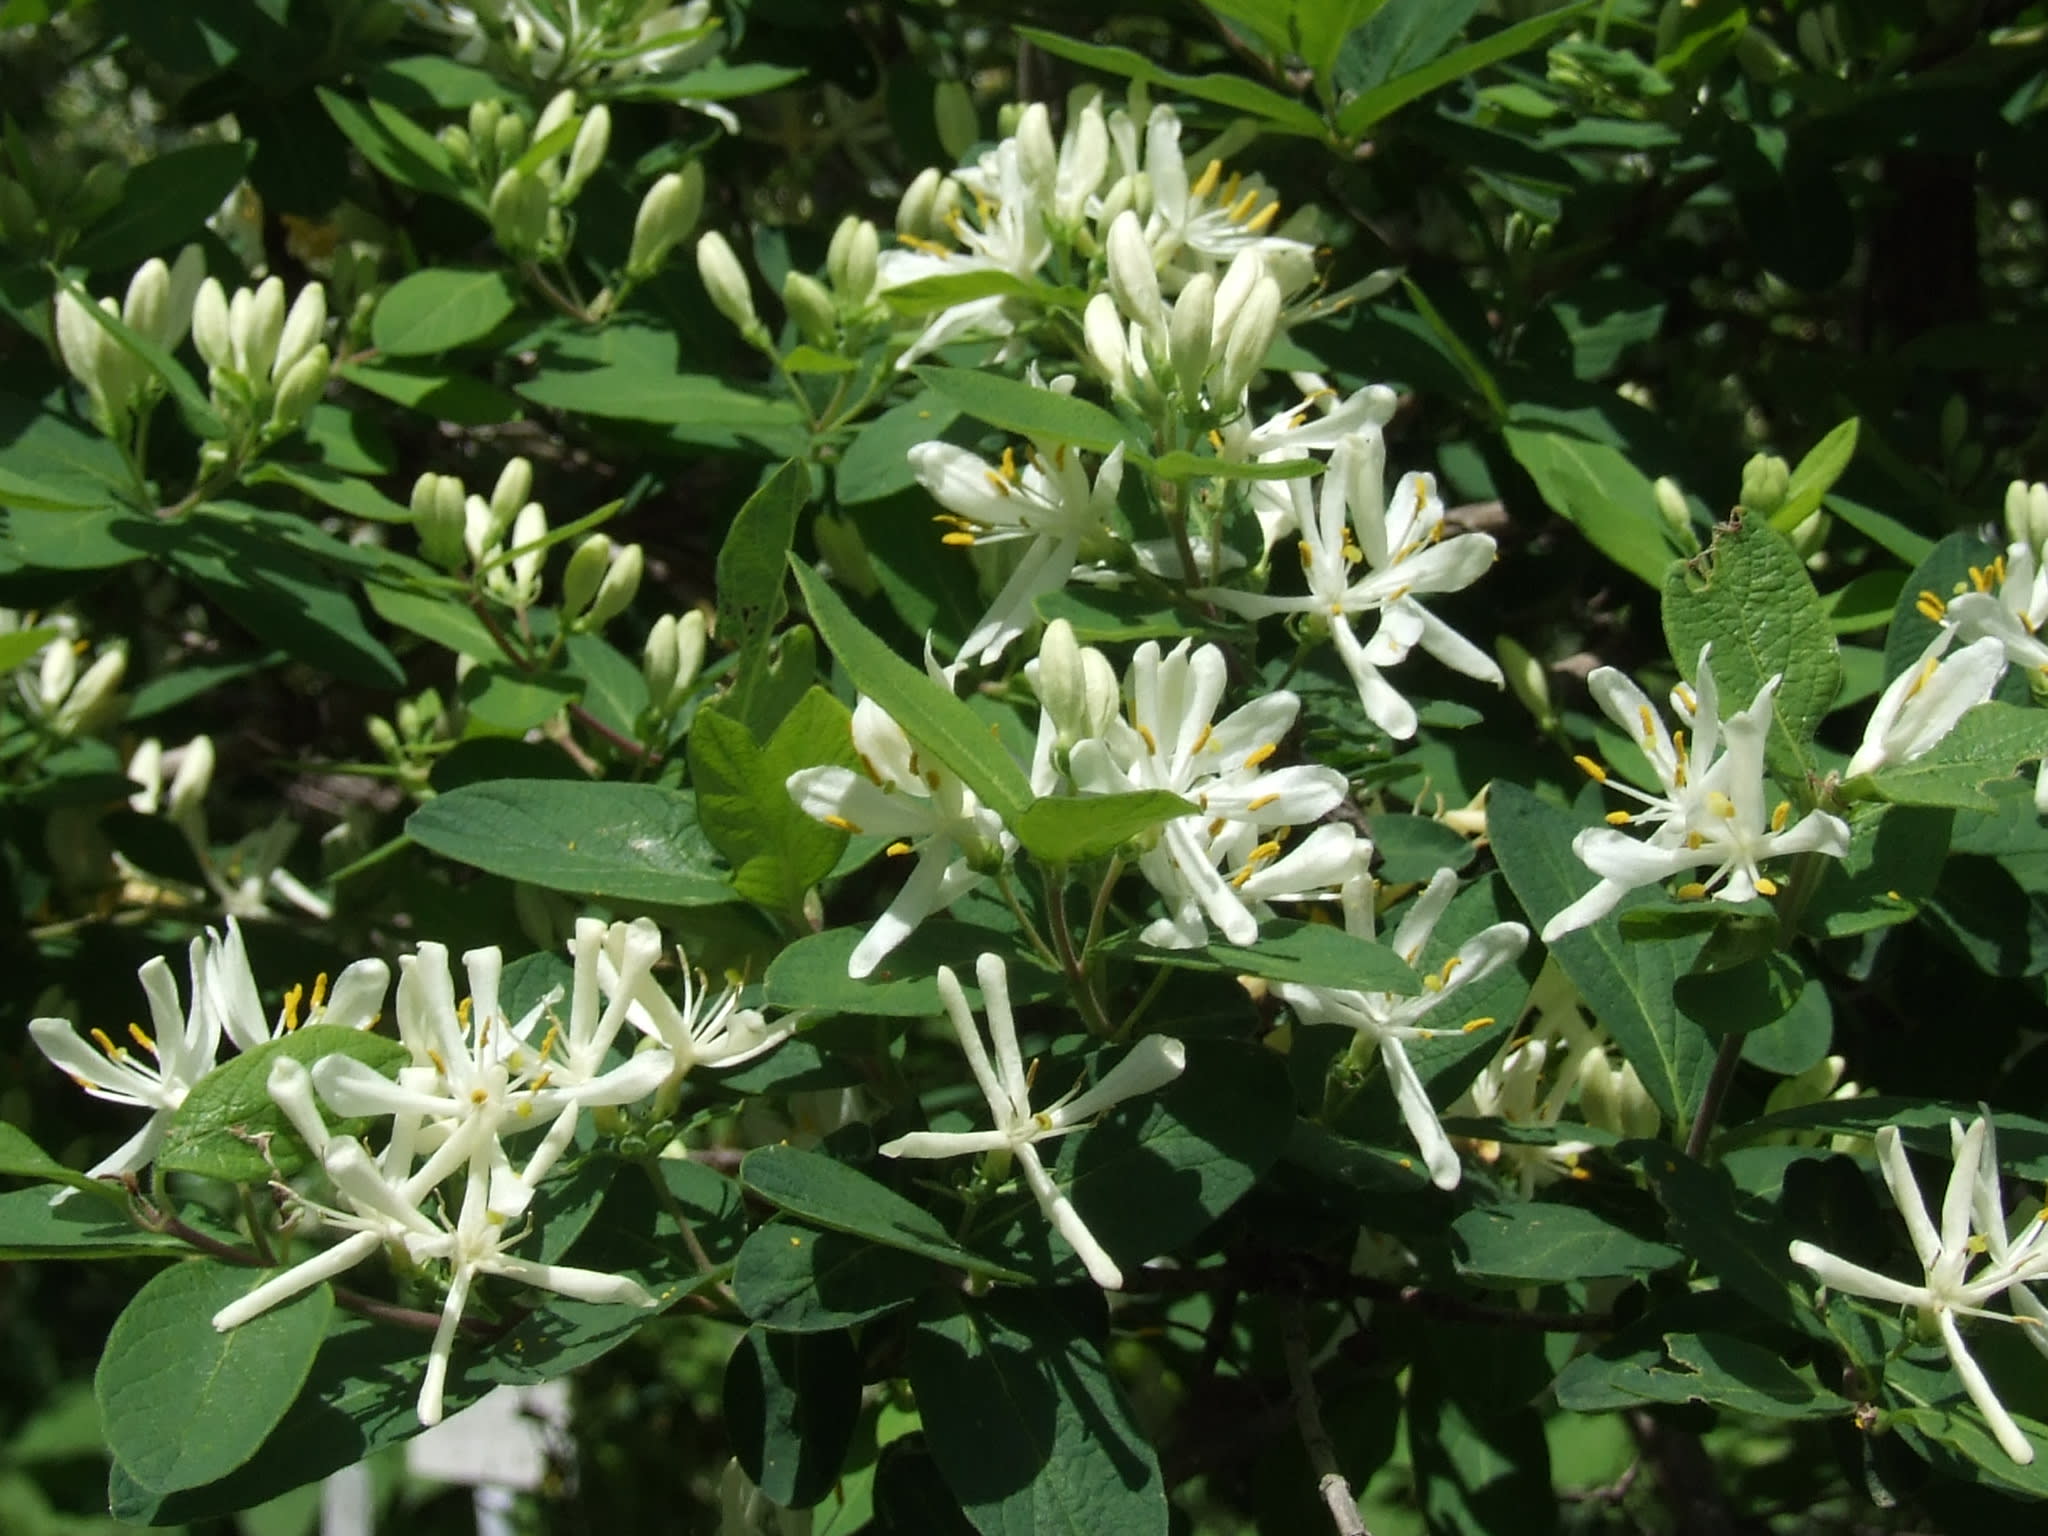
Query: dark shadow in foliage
point(791, 1401)
point(911, 1499)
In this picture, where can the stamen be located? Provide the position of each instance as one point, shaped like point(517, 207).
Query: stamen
point(1619, 818)
point(1692, 891)
point(1009, 470)
point(114, 1052)
point(1765, 886)
point(1930, 606)
point(1259, 222)
point(462, 1012)
point(319, 994)
point(897, 850)
point(957, 540)
point(1694, 841)
point(1473, 1026)
point(1215, 439)
point(1720, 805)
point(1151, 741)
point(1781, 815)
point(136, 1034)
point(841, 823)
point(1202, 740)
point(1206, 183)
point(1592, 769)
point(1649, 722)
point(1258, 755)
point(1261, 802)
point(292, 1000)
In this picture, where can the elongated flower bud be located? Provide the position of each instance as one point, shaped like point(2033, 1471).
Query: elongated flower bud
point(954, 116)
point(1527, 679)
point(667, 214)
point(186, 802)
point(1189, 333)
point(1765, 480)
point(437, 516)
point(303, 328)
point(1134, 280)
point(584, 574)
point(519, 212)
point(210, 333)
point(513, 490)
point(593, 138)
point(483, 122)
point(1103, 329)
point(257, 327)
point(1037, 156)
point(620, 586)
point(856, 248)
point(460, 146)
point(1251, 337)
point(914, 208)
point(810, 306)
point(147, 306)
point(300, 389)
point(659, 662)
point(560, 108)
point(78, 340)
point(725, 280)
point(94, 697)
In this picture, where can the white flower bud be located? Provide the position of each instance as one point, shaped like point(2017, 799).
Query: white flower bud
point(528, 528)
point(1527, 679)
point(1671, 505)
point(257, 327)
point(78, 340)
point(954, 116)
point(584, 574)
point(1084, 161)
point(1765, 480)
point(513, 490)
point(660, 661)
point(210, 331)
point(560, 108)
point(303, 328)
point(1239, 278)
point(483, 122)
point(1251, 337)
point(914, 208)
point(620, 586)
point(690, 639)
point(856, 247)
point(146, 309)
point(57, 672)
point(186, 803)
point(1061, 684)
point(146, 771)
point(1134, 280)
point(1121, 198)
point(120, 372)
point(519, 210)
point(93, 699)
point(300, 389)
point(437, 515)
point(1037, 156)
point(1189, 334)
point(725, 280)
point(810, 306)
point(667, 214)
point(592, 140)
point(1103, 329)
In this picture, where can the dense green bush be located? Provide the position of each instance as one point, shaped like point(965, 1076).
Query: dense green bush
point(868, 572)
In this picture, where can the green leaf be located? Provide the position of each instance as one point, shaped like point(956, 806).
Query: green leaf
point(1741, 998)
point(1070, 829)
point(21, 1158)
point(441, 308)
point(1747, 1250)
point(791, 1401)
point(1475, 372)
point(1988, 745)
point(1314, 954)
point(1627, 984)
point(183, 1404)
point(632, 372)
point(430, 81)
point(840, 1198)
point(926, 295)
point(1750, 597)
point(877, 462)
point(1283, 113)
point(281, 595)
point(332, 488)
point(753, 572)
point(504, 701)
point(1887, 533)
point(229, 1129)
point(19, 491)
point(811, 973)
point(632, 842)
point(1959, 563)
point(791, 1278)
point(1044, 415)
point(1715, 1368)
point(20, 647)
point(1370, 107)
point(164, 199)
point(614, 689)
point(444, 620)
point(398, 147)
point(1597, 488)
point(1412, 849)
point(928, 713)
point(432, 390)
point(1183, 465)
point(32, 1228)
point(777, 852)
point(1548, 1243)
point(1815, 476)
point(1027, 1425)
point(1481, 1466)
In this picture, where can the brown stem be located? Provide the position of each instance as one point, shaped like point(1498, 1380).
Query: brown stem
point(619, 739)
point(1725, 1061)
point(1308, 1414)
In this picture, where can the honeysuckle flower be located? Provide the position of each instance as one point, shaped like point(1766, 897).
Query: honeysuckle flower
point(1400, 542)
point(70, 703)
point(1712, 813)
point(387, 1207)
point(1972, 1224)
point(1260, 870)
point(1173, 741)
point(1050, 501)
point(355, 1001)
point(1384, 1021)
point(1923, 703)
point(1151, 1064)
point(922, 807)
point(177, 1052)
point(706, 1029)
point(1207, 220)
point(2008, 601)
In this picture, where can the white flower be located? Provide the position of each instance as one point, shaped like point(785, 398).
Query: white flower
point(1947, 1254)
point(1172, 741)
point(1206, 222)
point(354, 1003)
point(1401, 543)
point(1384, 1020)
point(1713, 810)
point(1050, 502)
point(1923, 703)
point(179, 1054)
point(1151, 1064)
point(2008, 602)
point(707, 1030)
point(922, 807)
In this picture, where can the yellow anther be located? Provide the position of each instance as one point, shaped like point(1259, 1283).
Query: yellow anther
point(1230, 188)
point(292, 999)
point(1720, 805)
point(1592, 769)
point(114, 1052)
point(1206, 183)
point(1649, 723)
point(440, 1066)
point(1258, 755)
point(1692, 891)
point(1980, 578)
point(540, 1082)
point(1694, 841)
point(1765, 886)
point(1201, 741)
point(957, 540)
point(841, 823)
point(1781, 815)
point(919, 243)
point(1263, 219)
point(1472, 1026)
point(897, 850)
point(319, 994)
point(1260, 803)
point(478, 1096)
point(462, 1012)
point(548, 1040)
point(1686, 699)
point(1619, 818)
point(1031, 1075)
point(1307, 553)
point(1151, 741)
point(868, 767)
point(135, 1033)
point(1002, 486)
point(1930, 606)
point(1215, 439)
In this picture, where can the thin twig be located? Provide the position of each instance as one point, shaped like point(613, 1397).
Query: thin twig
point(1726, 1059)
point(713, 1273)
point(1308, 1414)
point(619, 739)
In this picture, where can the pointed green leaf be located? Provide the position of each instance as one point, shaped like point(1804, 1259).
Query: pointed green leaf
point(1234, 91)
point(1815, 475)
point(777, 852)
point(1361, 112)
point(1988, 745)
point(1041, 414)
point(1069, 829)
point(753, 573)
